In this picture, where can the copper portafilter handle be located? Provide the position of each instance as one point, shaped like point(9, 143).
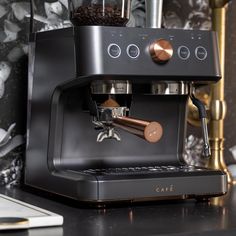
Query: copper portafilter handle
point(150, 131)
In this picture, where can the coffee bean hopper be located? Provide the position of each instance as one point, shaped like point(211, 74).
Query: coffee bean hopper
point(107, 107)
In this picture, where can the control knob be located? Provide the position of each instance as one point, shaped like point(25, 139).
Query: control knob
point(161, 51)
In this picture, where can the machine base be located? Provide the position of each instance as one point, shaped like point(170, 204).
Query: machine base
point(99, 187)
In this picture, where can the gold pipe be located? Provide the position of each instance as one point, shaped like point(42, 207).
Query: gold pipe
point(218, 104)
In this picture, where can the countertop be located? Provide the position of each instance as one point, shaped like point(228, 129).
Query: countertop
point(216, 217)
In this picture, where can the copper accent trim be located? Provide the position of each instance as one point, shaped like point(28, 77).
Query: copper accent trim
point(161, 50)
point(150, 131)
point(107, 202)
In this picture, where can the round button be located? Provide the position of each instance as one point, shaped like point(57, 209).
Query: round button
point(201, 53)
point(183, 52)
point(161, 51)
point(114, 50)
point(133, 51)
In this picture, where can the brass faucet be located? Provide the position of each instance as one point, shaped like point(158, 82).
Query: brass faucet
point(217, 102)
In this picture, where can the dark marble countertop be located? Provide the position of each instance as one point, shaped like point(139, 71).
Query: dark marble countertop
point(217, 217)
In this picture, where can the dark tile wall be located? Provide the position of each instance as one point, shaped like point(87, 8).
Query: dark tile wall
point(13, 87)
point(230, 85)
point(51, 14)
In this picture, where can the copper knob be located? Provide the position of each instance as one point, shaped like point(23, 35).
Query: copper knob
point(161, 51)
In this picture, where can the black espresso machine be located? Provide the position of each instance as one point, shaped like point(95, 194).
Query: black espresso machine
point(107, 113)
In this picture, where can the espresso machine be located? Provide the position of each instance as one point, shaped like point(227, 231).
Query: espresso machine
point(107, 112)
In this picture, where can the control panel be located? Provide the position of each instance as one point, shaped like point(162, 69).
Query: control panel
point(162, 53)
point(160, 50)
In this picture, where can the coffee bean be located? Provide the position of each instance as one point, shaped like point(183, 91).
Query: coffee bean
point(98, 15)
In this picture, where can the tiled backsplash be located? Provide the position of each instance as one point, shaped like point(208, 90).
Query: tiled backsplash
point(13, 86)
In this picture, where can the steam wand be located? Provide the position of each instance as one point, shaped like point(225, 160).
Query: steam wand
point(203, 117)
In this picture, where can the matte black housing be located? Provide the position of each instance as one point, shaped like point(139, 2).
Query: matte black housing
point(61, 139)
